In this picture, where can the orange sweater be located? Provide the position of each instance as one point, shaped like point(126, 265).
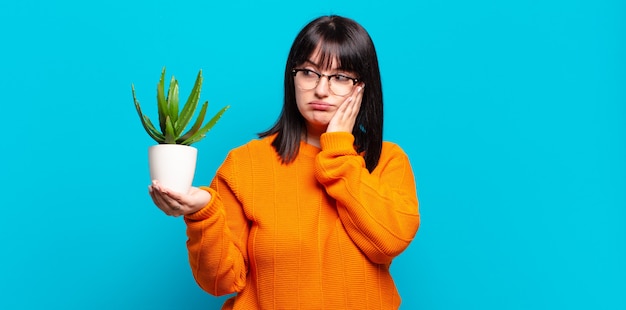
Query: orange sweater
point(318, 233)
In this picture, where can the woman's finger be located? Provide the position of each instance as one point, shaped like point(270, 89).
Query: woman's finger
point(352, 106)
point(158, 200)
point(355, 104)
point(164, 201)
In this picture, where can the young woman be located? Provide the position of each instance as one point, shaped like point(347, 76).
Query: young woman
point(310, 215)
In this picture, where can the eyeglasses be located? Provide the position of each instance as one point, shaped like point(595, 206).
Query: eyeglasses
point(307, 79)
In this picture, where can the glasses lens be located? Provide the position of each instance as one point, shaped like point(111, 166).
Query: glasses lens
point(306, 79)
point(341, 85)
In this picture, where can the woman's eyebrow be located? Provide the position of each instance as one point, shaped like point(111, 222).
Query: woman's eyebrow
point(312, 62)
point(318, 66)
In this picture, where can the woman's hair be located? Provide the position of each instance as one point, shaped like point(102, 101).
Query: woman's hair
point(347, 42)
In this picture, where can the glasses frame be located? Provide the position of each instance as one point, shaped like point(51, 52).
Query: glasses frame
point(328, 76)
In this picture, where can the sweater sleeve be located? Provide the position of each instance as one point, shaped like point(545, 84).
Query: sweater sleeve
point(217, 237)
point(379, 210)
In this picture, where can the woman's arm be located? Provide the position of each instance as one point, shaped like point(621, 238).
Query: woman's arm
point(217, 237)
point(380, 209)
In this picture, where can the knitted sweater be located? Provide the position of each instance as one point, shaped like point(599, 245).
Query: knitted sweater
point(317, 233)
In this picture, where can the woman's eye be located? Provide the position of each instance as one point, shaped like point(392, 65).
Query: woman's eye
point(308, 72)
point(341, 78)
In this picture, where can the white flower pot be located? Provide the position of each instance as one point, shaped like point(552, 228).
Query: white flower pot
point(173, 165)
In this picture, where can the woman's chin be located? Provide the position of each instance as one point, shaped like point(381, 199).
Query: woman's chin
point(317, 125)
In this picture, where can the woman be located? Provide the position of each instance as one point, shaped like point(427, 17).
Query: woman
point(311, 215)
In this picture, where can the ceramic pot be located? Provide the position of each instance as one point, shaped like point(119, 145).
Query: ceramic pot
point(173, 165)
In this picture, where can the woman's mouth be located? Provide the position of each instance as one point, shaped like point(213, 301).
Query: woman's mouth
point(320, 106)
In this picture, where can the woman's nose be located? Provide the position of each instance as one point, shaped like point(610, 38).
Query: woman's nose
point(323, 87)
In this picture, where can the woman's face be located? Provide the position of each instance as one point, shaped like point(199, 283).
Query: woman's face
point(318, 105)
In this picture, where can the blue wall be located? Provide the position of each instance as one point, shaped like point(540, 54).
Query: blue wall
point(513, 114)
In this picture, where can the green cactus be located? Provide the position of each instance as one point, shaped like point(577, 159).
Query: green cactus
point(172, 123)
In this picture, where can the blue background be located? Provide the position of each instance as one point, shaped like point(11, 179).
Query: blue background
point(513, 114)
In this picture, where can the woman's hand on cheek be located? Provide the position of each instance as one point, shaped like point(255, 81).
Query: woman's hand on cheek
point(345, 116)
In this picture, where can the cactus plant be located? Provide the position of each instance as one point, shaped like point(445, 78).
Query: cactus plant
point(172, 121)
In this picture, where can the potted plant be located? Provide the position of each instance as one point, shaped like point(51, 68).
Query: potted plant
point(173, 160)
